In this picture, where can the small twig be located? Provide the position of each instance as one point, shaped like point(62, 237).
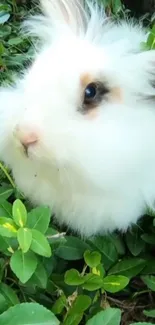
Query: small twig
point(115, 300)
point(151, 298)
point(84, 270)
point(7, 175)
point(121, 304)
point(57, 236)
point(143, 306)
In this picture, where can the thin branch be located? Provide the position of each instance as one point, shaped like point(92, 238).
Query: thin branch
point(57, 236)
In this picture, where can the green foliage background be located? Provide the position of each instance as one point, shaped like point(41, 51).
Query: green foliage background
point(54, 277)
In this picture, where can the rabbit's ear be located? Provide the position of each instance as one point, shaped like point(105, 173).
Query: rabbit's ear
point(70, 12)
point(81, 17)
point(57, 16)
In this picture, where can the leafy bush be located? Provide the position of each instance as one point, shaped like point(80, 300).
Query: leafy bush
point(15, 50)
point(53, 277)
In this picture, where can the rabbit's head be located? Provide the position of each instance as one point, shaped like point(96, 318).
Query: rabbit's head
point(85, 101)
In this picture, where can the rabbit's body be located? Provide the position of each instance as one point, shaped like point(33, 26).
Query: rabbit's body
point(94, 165)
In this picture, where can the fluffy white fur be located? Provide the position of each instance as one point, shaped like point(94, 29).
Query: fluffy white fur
point(95, 174)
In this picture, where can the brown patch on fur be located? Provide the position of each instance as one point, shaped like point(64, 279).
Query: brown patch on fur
point(92, 114)
point(115, 94)
point(86, 79)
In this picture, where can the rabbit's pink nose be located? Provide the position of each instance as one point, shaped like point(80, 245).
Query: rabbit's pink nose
point(28, 139)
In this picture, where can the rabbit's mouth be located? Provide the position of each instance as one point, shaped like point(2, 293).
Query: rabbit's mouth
point(28, 151)
point(22, 150)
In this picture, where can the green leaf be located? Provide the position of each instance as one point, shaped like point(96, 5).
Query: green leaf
point(110, 316)
point(134, 242)
point(39, 219)
point(149, 268)
point(149, 313)
point(92, 259)
point(19, 213)
point(73, 319)
point(72, 249)
point(51, 263)
point(149, 238)
point(2, 268)
point(73, 277)
point(2, 49)
point(5, 209)
point(99, 270)
point(8, 245)
point(39, 278)
point(28, 314)
point(23, 265)
point(16, 60)
point(75, 315)
point(149, 280)
point(3, 304)
point(142, 323)
point(7, 227)
point(24, 237)
point(150, 40)
point(116, 6)
point(115, 283)
point(59, 305)
point(4, 17)
point(80, 304)
point(4, 244)
point(109, 253)
point(118, 243)
point(92, 282)
point(150, 212)
point(5, 192)
point(40, 244)
point(5, 7)
point(5, 31)
point(15, 41)
point(9, 294)
point(128, 267)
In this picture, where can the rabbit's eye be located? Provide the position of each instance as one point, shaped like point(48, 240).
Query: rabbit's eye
point(94, 93)
point(90, 92)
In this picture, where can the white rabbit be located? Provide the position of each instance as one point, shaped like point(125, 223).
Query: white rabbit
point(78, 128)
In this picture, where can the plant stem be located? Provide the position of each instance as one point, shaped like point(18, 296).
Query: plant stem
point(7, 175)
